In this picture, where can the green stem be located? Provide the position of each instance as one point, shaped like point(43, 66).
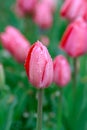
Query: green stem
point(8, 124)
point(59, 123)
point(39, 111)
point(75, 78)
point(74, 90)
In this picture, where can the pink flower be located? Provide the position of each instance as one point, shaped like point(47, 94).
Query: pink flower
point(72, 9)
point(15, 43)
point(74, 39)
point(85, 11)
point(39, 66)
point(62, 72)
point(43, 16)
point(52, 4)
point(45, 40)
point(26, 6)
point(18, 11)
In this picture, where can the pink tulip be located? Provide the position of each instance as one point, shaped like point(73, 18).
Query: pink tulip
point(52, 4)
point(43, 16)
point(18, 11)
point(74, 41)
point(26, 6)
point(62, 72)
point(15, 43)
point(45, 40)
point(39, 66)
point(72, 9)
point(85, 11)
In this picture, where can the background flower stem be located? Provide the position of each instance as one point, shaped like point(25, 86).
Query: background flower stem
point(59, 115)
point(75, 73)
point(39, 109)
point(75, 78)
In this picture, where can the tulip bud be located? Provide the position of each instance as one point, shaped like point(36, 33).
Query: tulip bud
point(72, 9)
point(15, 43)
point(43, 16)
point(2, 77)
point(26, 6)
point(39, 66)
point(52, 4)
point(85, 11)
point(45, 40)
point(18, 11)
point(62, 72)
point(74, 39)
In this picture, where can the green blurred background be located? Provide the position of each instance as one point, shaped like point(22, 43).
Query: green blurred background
point(18, 98)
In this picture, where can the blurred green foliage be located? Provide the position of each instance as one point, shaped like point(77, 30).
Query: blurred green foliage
point(18, 99)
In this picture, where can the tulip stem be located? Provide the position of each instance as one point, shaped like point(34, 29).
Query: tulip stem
point(74, 88)
point(39, 109)
point(59, 123)
point(75, 78)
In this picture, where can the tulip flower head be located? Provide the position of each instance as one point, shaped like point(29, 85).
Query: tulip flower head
point(72, 9)
point(85, 11)
point(74, 39)
point(15, 43)
point(45, 40)
point(62, 72)
point(52, 4)
point(26, 6)
point(39, 66)
point(43, 16)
